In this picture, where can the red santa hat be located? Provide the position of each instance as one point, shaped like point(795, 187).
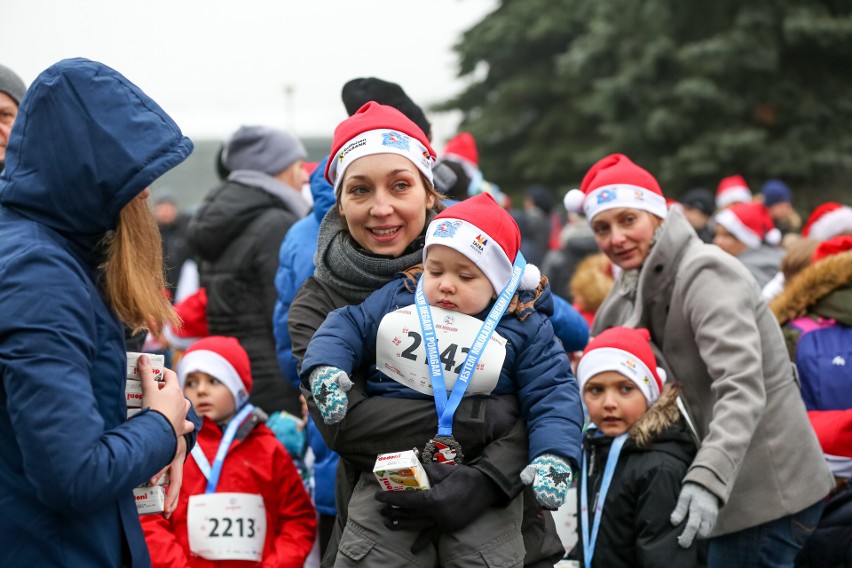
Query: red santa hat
point(828, 220)
point(613, 182)
point(626, 351)
point(834, 245)
point(486, 234)
point(732, 189)
point(462, 146)
point(378, 129)
point(192, 312)
point(220, 357)
point(750, 223)
point(834, 432)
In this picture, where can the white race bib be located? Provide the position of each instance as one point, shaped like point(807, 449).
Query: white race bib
point(227, 526)
point(401, 355)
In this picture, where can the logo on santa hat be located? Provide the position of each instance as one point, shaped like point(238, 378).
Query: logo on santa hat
point(606, 196)
point(478, 244)
point(447, 229)
point(395, 140)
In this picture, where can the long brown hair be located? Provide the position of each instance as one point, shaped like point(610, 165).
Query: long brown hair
point(133, 270)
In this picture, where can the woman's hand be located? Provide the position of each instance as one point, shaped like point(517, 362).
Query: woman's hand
point(175, 478)
point(165, 397)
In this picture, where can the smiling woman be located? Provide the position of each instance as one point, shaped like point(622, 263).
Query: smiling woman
point(381, 169)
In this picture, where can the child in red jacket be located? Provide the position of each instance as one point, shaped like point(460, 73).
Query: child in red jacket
point(242, 502)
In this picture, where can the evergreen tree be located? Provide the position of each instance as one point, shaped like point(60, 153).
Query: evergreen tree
point(693, 91)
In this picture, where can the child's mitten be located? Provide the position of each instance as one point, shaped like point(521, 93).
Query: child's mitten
point(329, 386)
point(550, 476)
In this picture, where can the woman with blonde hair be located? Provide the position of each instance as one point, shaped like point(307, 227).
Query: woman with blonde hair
point(80, 258)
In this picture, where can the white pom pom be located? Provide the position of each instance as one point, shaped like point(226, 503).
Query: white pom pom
point(662, 374)
point(531, 278)
point(573, 201)
point(773, 237)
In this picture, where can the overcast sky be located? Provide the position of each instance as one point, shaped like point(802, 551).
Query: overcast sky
point(216, 64)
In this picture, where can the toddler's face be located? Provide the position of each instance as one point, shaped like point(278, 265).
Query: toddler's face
point(209, 396)
point(614, 402)
point(451, 281)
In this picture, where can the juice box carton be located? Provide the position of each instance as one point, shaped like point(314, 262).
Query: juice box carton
point(400, 471)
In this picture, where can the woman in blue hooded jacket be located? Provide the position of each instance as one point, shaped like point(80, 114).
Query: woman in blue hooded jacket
point(79, 258)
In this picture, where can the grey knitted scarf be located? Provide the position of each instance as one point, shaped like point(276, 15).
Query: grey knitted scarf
point(355, 272)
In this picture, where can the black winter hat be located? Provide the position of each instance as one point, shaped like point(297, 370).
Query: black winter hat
point(359, 91)
point(701, 199)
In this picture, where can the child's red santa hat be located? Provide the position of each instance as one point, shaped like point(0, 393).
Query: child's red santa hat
point(462, 146)
point(613, 182)
point(732, 189)
point(828, 220)
point(750, 223)
point(486, 234)
point(626, 351)
point(834, 431)
point(220, 357)
point(378, 129)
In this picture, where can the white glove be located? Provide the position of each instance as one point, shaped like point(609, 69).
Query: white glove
point(550, 476)
point(329, 386)
point(700, 508)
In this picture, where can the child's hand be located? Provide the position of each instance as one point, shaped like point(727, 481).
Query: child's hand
point(550, 476)
point(329, 386)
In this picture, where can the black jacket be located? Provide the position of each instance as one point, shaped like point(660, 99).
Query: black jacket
point(236, 233)
point(635, 531)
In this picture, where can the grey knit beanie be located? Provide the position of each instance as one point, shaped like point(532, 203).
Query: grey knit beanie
point(11, 84)
point(262, 149)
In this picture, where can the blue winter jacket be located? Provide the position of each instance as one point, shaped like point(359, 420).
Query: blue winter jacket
point(295, 265)
point(85, 143)
point(536, 367)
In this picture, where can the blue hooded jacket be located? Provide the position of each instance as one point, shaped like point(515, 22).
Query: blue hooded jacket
point(295, 265)
point(85, 143)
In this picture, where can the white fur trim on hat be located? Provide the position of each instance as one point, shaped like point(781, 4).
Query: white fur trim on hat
point(832, 224)
point(382, 141)
point(604, 359)
point(623, 195)
point(733, 194)
point(732, 223)
point(216, 366)
point(481, 249)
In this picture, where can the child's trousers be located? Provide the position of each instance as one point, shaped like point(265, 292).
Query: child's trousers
point(493, 539)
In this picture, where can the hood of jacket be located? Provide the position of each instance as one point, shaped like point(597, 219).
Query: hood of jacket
point(85, 143)
point(225, 213)
point(824, 288)
point(322, 191)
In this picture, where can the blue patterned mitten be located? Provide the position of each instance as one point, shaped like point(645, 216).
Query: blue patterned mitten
point(329, 386)
point(550, 476)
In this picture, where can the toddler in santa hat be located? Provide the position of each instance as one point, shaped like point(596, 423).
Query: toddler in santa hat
point(636, 452)
point(746, 231)
point(426, 330)
point(236, 454)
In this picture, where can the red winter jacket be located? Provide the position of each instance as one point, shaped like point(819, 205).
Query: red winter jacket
point(257, 464)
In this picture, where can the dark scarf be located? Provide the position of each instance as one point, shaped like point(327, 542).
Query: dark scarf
point(353, 271)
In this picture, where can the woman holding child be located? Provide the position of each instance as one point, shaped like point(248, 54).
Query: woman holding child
point(376, 232)
point(757, 483)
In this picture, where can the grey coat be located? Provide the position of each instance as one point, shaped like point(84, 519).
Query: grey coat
point(716, 335)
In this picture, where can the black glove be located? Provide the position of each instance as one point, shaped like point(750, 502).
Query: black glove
point(459, 495)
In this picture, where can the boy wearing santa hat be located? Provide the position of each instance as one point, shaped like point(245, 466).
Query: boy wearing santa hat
point(636, 453)
point(746, 231)
point(474, 322)
point(242, 499)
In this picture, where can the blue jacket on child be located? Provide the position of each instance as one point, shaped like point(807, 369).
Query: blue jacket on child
point(536, 367)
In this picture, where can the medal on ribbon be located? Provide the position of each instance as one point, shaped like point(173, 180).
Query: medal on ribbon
point(444, 448)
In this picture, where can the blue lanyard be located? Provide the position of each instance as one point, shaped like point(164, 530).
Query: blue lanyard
point(212, 474)
point(611, 462)
point(447, 408)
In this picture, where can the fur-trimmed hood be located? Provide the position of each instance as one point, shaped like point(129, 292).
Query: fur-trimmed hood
point(813, 287)
point(661, 416)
